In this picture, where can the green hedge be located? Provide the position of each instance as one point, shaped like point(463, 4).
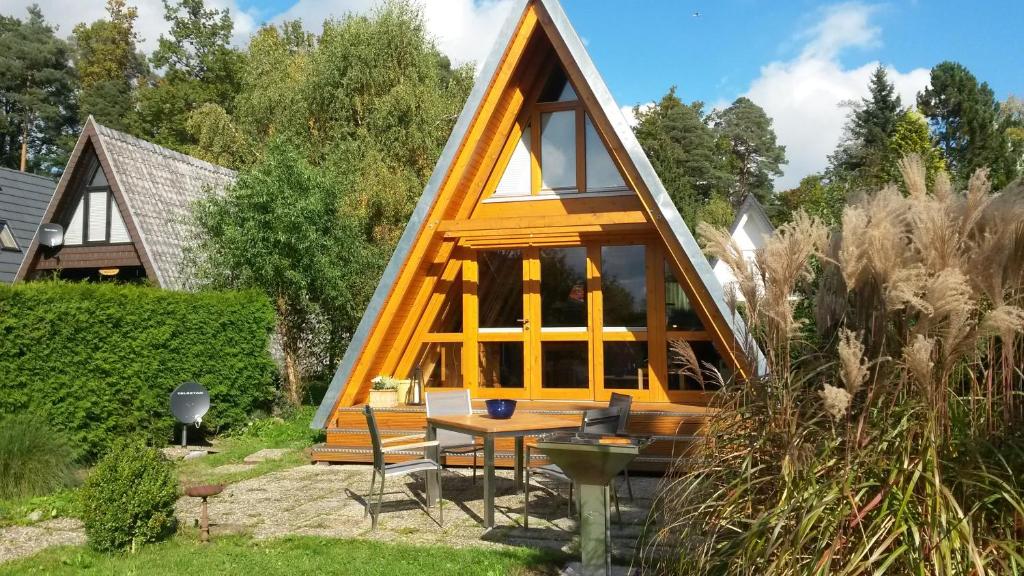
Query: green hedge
point(100, 360)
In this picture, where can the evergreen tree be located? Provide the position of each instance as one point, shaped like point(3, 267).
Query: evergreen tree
point(1011, 123)
point(684, 153)
point(38, 114)
point(865, 153)
point(964, 119)
point(109, 65)
point(752, 155)
point(200, 67)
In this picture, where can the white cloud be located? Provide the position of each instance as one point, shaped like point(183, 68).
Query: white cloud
point(804, 95)
point(465, 30)
point(65, 14)
point(630, 115)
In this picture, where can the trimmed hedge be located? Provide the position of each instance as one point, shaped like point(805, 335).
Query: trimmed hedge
point(100, 360)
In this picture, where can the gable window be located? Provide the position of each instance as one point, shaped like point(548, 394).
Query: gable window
point(96, 218)
point(556, 149)
point(7, 240)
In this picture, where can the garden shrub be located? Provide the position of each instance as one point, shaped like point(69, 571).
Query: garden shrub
point(100, 360)
point(129, 497)
point(35, 460)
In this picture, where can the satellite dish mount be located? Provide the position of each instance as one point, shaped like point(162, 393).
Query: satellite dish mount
point(189, 403)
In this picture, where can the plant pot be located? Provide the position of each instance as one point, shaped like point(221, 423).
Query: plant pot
point(403, 391)
point(383, 398)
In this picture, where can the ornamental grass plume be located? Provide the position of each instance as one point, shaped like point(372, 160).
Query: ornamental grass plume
point(906, 323)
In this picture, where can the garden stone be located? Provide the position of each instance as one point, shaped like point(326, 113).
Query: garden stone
point(266, 454)
point(35, 516)
point(193, 454)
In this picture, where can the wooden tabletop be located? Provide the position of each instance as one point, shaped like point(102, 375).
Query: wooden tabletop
point(521, 422)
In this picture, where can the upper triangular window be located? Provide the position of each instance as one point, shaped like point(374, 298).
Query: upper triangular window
point(558, 88)
point(98, 178)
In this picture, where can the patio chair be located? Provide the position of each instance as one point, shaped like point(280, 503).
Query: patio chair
point(624, 402)
point(382, 447)
point(598, 421)
point(453, 403)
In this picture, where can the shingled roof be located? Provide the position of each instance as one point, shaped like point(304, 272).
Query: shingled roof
point(23, 200)
point(155, 188)
point(159, 187)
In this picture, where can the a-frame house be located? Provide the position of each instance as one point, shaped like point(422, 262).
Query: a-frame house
point(544, 261)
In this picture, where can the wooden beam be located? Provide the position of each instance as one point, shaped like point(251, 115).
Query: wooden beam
point(526, 225)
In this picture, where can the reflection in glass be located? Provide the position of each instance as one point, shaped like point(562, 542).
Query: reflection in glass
point(501, 365)
point(563, 287)
point(441, 363)
point(449, 316)
point(695, 365)
point(602, 174)
point(624, 284)
point(564, 365)
point(625, 365)
point(557, 88)
point(679, 312)
point(500, 289)
point(558, 150)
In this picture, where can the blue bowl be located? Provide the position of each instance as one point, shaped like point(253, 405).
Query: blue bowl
point(500, 409)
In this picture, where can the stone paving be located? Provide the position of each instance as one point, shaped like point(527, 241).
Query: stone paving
point(21, 541)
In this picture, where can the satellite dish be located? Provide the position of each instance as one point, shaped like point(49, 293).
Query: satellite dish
point(51, 235)
point(190, 402)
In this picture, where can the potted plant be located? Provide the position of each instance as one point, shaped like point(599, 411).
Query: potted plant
point(383, 392)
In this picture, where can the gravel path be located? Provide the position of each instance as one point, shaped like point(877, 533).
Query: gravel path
point(328, 501)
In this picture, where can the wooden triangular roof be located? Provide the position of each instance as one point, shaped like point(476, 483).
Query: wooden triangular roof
point(489, 99)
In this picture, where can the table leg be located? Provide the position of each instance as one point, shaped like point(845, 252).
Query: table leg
point(433, 478)
point(518, 485)
point(489, 481)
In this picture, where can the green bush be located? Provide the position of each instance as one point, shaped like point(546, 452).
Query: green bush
point(35, 460)
point(129, 498)
point(100, 360)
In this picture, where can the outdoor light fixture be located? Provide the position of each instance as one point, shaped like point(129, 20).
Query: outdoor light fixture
point(109, 271)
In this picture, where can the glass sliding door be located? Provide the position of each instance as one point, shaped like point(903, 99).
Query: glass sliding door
point(502, 326)
point(622, 340)
point(565, 359)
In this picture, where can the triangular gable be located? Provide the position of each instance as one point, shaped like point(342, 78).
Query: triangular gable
point(491, 109)
point(89, 144)
point(750, 229)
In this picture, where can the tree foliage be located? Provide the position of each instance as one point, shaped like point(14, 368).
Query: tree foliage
point(109, 65)
point(752, 155)
point(865, 155)
point(38, 108)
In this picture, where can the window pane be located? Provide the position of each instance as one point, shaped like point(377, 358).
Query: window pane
point(624, 285)
point(602, 174)
point(449, 316)
point(441, 364)
point(516, 179)
point(563, 287)
point(118, 231)
point(97, 229)
point(565, 365)
point(557, 88)
point(625, 365)
point(679, 312)
point(500, 290)
point(683, 374)
point(98, 178)
point(558, 150)
point(501, 365)
point(73, 233)
point(7, 241)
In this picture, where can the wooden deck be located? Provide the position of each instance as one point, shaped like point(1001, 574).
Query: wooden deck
point(674, 427)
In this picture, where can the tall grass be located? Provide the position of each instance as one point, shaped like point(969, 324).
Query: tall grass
point(888, 439)
point(35, 459)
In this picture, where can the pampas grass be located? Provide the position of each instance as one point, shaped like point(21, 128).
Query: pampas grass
point(890, 441)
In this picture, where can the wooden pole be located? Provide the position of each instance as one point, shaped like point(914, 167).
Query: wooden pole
point(24, 146)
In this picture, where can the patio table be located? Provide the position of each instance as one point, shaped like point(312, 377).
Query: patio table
point(518, 426)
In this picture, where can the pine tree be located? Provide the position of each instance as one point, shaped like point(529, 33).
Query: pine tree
point(38, 113)
point(865, 152)
point(109, 65)
point(752, 154)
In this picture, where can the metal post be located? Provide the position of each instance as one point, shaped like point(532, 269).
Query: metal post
point(489, 481)
point(595, 531)
point(184, 435)
point(433, 477)
point(519, 463)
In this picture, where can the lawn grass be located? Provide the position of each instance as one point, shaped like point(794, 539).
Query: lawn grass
point(296, 555)
point(17, 511)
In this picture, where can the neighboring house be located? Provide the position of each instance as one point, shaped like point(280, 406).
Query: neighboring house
point(750, 230)
point(23, 200)
point(545, 262)
point(124, 204)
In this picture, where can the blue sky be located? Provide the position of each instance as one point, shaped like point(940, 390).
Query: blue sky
point(798, 59)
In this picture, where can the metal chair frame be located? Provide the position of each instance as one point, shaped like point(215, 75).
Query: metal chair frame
point(454, 442)
point(625, 403)
point(384, 446)
point(597, 421)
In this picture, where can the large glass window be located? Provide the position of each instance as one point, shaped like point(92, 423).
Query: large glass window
point(558, 150)
point(563, 287)
point(500, 289)
point(694, 365)
point(449, 316)
point(624, 286)
point(96, 216)
point(564, 365)
point(441, 364)
point(679, 312)
point(501, 365)
point(602, 174)
point(625, 365)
